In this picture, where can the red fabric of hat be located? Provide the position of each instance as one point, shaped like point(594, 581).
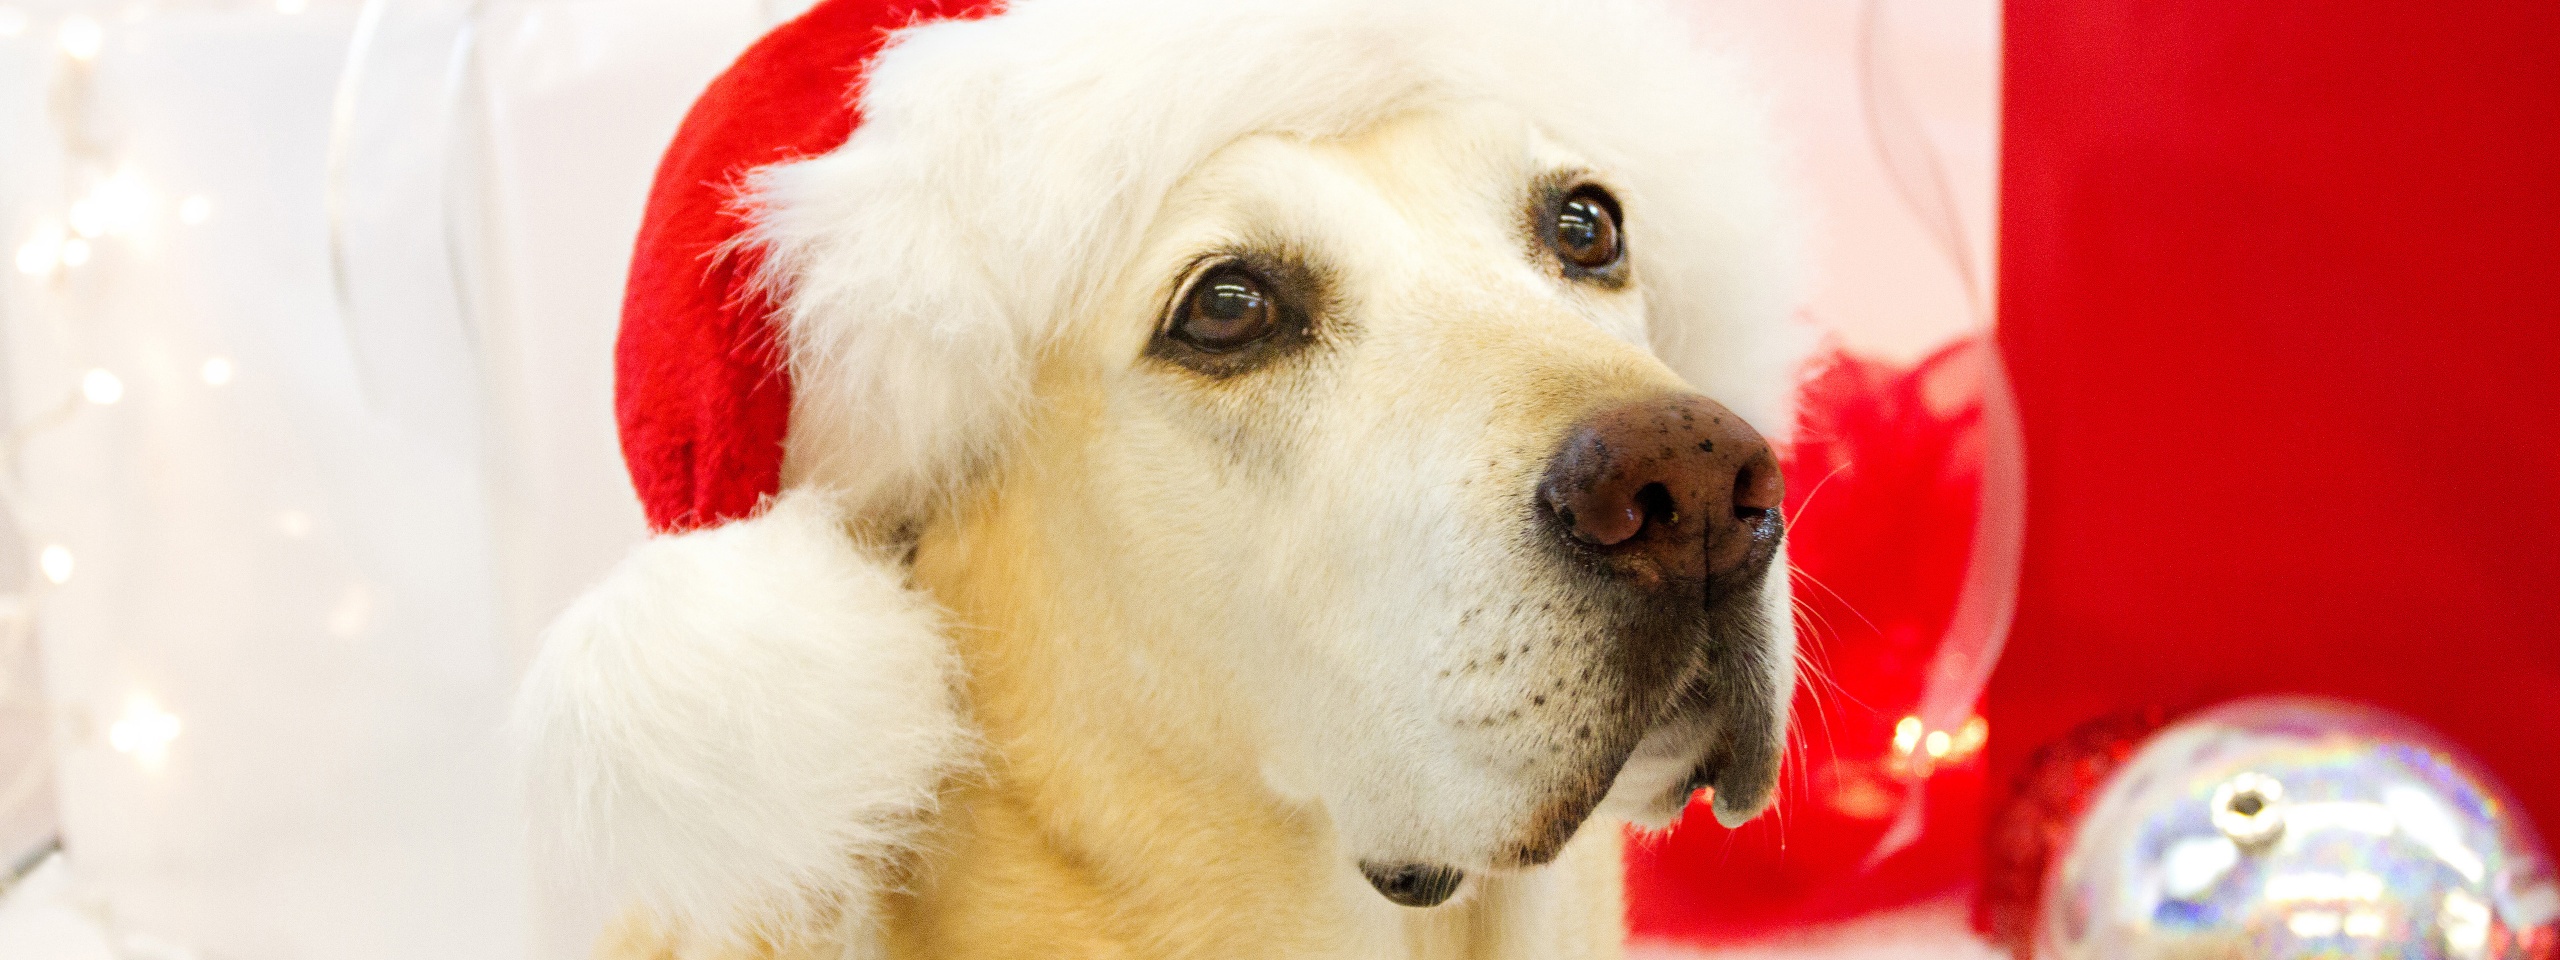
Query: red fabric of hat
point(701, 390)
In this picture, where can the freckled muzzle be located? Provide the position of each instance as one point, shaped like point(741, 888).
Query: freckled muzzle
point(1662, 517)
point(1673, 502)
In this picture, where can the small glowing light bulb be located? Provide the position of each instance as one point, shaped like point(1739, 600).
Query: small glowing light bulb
point(1938, 743)
point(144, 731)
point(216, 371)
point(1970, 738)
point(42, 252)
point(86, 218)
point(13, 22)
point(101, 387)
point(55, 560)
point(1906, 735)
point(81, 38)
point(117, 204)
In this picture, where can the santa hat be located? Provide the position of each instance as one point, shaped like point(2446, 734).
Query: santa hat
point(864, 234)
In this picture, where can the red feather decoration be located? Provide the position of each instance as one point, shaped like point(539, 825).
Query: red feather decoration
point(1883, 483)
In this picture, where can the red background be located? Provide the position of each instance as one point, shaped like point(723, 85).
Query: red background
point(2280, 296)
point(2280, 291)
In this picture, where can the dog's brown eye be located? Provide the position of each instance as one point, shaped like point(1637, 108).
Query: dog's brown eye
point(1226, 309)
point(1586, 230)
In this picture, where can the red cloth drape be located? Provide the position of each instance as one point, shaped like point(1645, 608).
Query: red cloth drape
point(2280, 292)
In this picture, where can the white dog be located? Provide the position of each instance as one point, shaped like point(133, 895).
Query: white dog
point(1262, 479)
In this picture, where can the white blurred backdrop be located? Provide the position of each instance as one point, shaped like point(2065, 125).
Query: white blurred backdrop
point(305, 369)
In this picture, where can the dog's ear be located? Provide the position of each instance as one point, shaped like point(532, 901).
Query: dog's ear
point(743, 728)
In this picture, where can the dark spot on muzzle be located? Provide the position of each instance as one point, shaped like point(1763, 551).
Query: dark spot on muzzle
point(1413, 884)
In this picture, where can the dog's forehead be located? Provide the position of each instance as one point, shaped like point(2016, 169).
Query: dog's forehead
point(1461, 153)
point(1443, 167)
point(1444, 186)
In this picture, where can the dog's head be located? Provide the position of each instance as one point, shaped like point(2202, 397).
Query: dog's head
point(1402, 368)
point(1370, 421)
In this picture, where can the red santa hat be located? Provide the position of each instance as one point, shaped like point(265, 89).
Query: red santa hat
point(862, 237)
point(703, 392)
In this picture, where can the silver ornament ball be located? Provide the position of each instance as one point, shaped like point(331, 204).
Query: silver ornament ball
point(2295, 828)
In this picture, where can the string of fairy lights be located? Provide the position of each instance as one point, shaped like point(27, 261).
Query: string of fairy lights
point(109, 202)
point(92, 217)
point(103, 212)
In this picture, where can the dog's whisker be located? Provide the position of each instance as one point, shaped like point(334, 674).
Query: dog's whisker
point(1822, 690)
point(1816, 582)
point(1799, 749)
point(1811, 652)
point(1805, 612)
point(1816, 632)
point(1804, 509)
point(1824, 684)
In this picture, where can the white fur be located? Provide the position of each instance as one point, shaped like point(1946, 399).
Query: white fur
point(742, 728)
point(1006, 168)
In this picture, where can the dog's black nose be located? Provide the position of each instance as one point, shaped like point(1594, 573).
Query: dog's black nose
point(1673, 490)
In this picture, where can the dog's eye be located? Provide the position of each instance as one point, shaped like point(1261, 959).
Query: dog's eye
point(1227, 308)
point(1586, 229)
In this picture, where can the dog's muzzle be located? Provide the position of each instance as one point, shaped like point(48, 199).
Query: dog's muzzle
point(1667, 512)
point(1676, 500)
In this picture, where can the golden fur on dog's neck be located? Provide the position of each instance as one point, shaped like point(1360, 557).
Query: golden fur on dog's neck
point(1121, 812)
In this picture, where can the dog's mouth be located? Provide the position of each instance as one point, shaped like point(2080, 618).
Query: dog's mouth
point(1731, 754)
point(1713, 740)
point(1721, 728)
point(1720, 736)
point(1695, 697)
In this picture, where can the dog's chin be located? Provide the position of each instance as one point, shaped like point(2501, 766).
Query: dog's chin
point(1726, 745)
point(1712, 718)
point(1668, 767)
point(1695, 749)
point(1721, 748)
